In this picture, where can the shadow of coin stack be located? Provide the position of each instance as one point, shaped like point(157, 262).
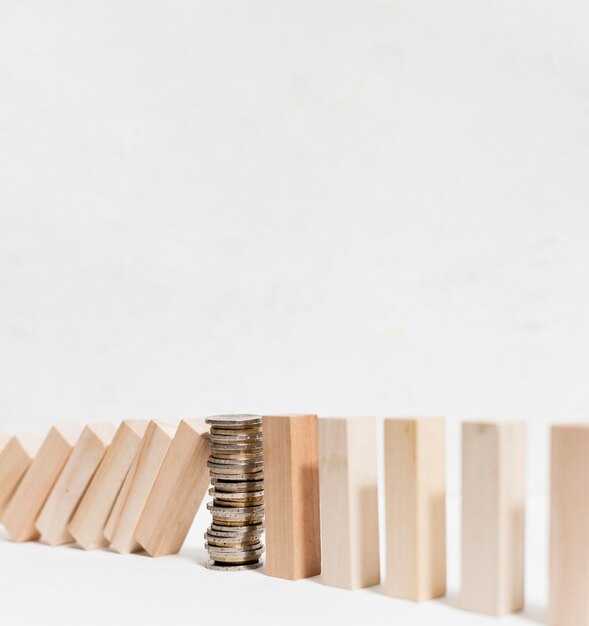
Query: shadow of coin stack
point(234, 538)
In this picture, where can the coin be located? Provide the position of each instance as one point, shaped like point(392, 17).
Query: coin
point(235, 557)
point(225, 567)
point(237, 437)
point(234, 420)
point(237, 486)
point(235, 495)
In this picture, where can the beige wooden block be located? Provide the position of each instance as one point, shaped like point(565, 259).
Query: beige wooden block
point(87, 524)
point(4, 439)
point(15, 458)
point(349, 502)
point(36, 485)
point(291, 496)
point(125, 516)
point(415, 496)
point(178, 491)
point(493, 515)
point(569, 526)
point(72, 483)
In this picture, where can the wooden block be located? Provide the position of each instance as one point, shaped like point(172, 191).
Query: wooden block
point(178, 491)
point(493, 512)
point(291, 496)
point(125, 516)
point(349, 502)
point(4, 439)
point(15, 458)
point(72, 483)
point(36, 485)
point(569, 526)
point(415, 496)
point(87, 525)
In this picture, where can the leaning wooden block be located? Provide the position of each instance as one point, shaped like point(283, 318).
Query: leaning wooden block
point(569, 526)
point(178, 491)
point(71, 485)
point(15, 458)
point(125, 516)
point(349, 502)
point(32, 492)
point(87, 525)
point(415, 494)
point(4, 439)
point(291, 496)
point(493, 512)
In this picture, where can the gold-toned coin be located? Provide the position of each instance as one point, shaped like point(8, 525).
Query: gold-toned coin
point(238, 548)
point(242, 486)
point(235, 495)
point(238, 437)
point(237, 523)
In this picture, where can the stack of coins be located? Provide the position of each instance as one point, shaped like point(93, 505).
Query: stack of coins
point(234, 539)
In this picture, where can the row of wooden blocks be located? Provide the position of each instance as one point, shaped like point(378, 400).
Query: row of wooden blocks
point(139, 486)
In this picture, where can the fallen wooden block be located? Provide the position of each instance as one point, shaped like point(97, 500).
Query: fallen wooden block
point(415, 496)
point(291, 496)
point(32, 492)
point(569, 526)
point(177, 492)
point(493, 512)
point(87, 525)
point(71, 485)
point(124, 518)
point(349, 502)
point(15, 458)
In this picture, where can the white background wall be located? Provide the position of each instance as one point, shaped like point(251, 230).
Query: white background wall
point(345, 207)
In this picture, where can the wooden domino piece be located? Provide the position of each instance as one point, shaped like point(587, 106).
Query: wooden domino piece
point(349, 502)
point(72, 483)
point(25, 505)
point(291, 496)
point(4, 439)
point(569, 526)
point(415, 496)
point(15, 458)
point(177, 492)
point(493, 515)
point(124, 518)
point(87, 524)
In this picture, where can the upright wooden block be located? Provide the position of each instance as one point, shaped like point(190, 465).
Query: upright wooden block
point(15, 458)
point(87, 525)
point(415, 495)
point(32, 492)
point(72, 483)
point(125, 516)
point(291, 496)
point(569, 526)
point(493, 512)
point(177, 492)
point(349, 502)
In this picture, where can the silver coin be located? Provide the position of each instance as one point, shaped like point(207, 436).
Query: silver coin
point(238, 438)
point(233, 568)
point(234, 420)
point(251, 476)
point(251, 511)
point(237, 446)
point(254, 464)
point(235, 557)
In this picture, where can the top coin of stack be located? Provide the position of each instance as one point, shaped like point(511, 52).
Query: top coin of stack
point(234, 539)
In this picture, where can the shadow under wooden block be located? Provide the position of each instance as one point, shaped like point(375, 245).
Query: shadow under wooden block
point(415, 494)
point(32, 492)
point(178, 491)
point(349, 502)
point(569, 526)
point(71, 485)
point(87, 525)
point(15, 458)
point(493, 505)
point(291, 496)
point(124, 518)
